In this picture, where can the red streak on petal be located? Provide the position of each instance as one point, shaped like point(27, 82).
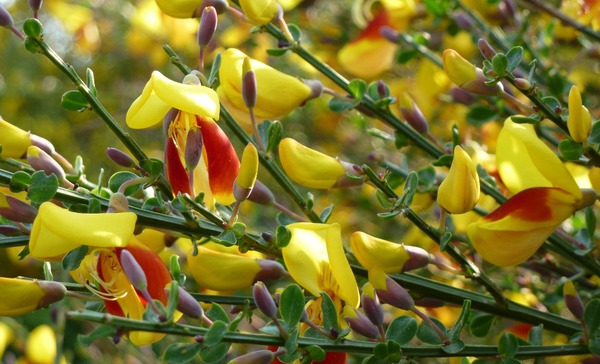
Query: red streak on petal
point(175, 170)
point(528, 205)
point(112, 306)
point(223, 163)
point(372, 30)
point(333, 358)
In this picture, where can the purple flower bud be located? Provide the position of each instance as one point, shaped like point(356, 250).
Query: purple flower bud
point(372, 308)
point(263, 300)
point(395, 295)
point(486, 49)
point(188, 305)
point(6, 20)
point(261, 194)
point(522, 84)
point(572, 300)
point(463, 21)
point(270, 270)
point(255, 357)
point(53, 292)
point(13, 209)
point(208, 26)
point(119, 157)
point(419, 258)
point(35, 5)
point(316, 88)
point(382, 90)
point(362, 325)
point(42, 143)
point(168, 119)
point(249, 86)
point(415, 118)
point(10, 230)
point(133, 270)
point(219, 5)
point(461, 96)
point(41, 161)
point(389, 34)
point(193, 149)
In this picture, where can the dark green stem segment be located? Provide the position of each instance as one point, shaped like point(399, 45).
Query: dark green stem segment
point(349, 346)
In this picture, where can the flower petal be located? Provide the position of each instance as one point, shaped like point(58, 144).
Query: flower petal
point(372, 252)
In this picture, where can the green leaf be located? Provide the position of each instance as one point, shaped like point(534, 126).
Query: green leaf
point(277, 52)
point(72, 259)
point(181, 353)
point(291, 344)
point(481, 114)
point(514, 57)
point(330, 314)
point(217, 313)
point(32, 46)
point(594, 346)
point(33, 28)
point(406, 55)
point(19, 181)
point(499, 63)
point(590, 221)
point(74, 100)
point(389, 215)
point(91, 82)
point(595, 133)
point(291, 306)
point(283, 235)
point(42, 187)
point(454, 332)
point(536, 335)
point(444, 240)
point(152, 166)
point(591, 316)
point(315, 352)
point(295, 31)
point(214, 354)
point(274, 135)
point(524, 120)
point(443, 161)
point(480, 325)
point(428, 335)
point(326, 214)
point(374, 132)
point(402, 329)
point(226, 238)
point(508, 345)
point(215, 333)
point(426, 175)
point(214, 70)
point(570, 149)
point(116, 180)
point(400, 140)
point(552, 102)
point(338, 105)
point(94, 206)
point(455, 347)
point(358, 88)
point(99, 332)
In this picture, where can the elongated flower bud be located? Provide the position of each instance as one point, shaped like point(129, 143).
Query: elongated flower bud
point(119, 157)
point(412, 113)
point(20, 296)
point(261, 194)
point(580, 119)
point(35, 5)
point(43, 143)
point(41, 161)
point(208, 26)
point(459, 192)
point(6, 20)
point(389, 291)
point(193, 149)
point(466, 75)
point(249, 86)
point(360, 323)
point(246, 178)
point(13, 209)
point(133, 270)
point(486, 49)
point(370, 304)
point(263, 300)
point(187, 304)
point(572, 300)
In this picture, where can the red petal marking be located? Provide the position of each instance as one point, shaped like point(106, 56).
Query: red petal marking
point(529, 205)
point(223, 163)
point(112, 306)
point(156, 273)
point(372, 30)
point(175, 170)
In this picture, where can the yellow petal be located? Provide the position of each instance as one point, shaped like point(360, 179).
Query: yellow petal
point(19, 296)
point(524, 161)
point(372, 252)
point(248, 167)
point(308, 167)
point(41, 345)
point(57, 231)
point(459, 191)
point(259, 12)
point(6, 337)
point(179, 8)
point(13, 140)
point(458, 69)
point(579, 121)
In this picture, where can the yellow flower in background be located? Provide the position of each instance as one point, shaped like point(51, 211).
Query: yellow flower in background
point(21, 296)
point(579, 121)
point(259, 12)
point(180, 8)
point(524, 161)
point(221, 268)
point(41, 346)
point(6, 337)
point(459, 191)
point(56, 231)
point(161, 94)
point(316, 260)
point(278, 93)
point(14, 141)
point(313, 169)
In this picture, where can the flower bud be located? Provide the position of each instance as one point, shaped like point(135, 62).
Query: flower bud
point(463, 20)
point(187, 304)
point(263, 300)
point(13, 209)
point(220, 6)
point(370, 304)
point(246, 178)
point(389, 34)
point(359, 323)
point(580, 119)
point(20, 296)
point(193, 148)
point(133, 270)
point(42, 143)
point(119, 157)
point(117, 203)
point(486, 49)
point(389, 291)
point(261, 194)
point(522, 84)
point(412, 113)
point(459, 192)
point(208, 26)
point(249, 86)
point(259, 12)
point(572, 300)
point(466, 75)
point(255, 357)
point(316, 88)
point(418, 258)
point(35, 5)
point(270, 270)
point(41, 161)
point(6, 20)
point(10, 230)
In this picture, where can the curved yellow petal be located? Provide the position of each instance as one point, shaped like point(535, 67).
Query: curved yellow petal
point(248, 167)
point(259, 12)
point(14, 141)
point(57, 231)
point(19, 296)
point(459, 191)
point(579, 121)
point(308, 167)
point(458, 69)
point(179, 8)
point(372, 252)
point(524, 161)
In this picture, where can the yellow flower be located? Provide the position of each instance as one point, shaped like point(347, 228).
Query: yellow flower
point(311, 168)
point(248, 167)
point(372, 252)
point(316, 260)
point(224, 269)
point(56, 231)
point(466, 76)
point(259, 12)
point(278, 93)
point(41, 345)
point(579, 121)
point(13, 140)
point(20, 296)
point(459, 192)
point(161, 94)
point(524, 161)
point(6, 337)
point(180, 8)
